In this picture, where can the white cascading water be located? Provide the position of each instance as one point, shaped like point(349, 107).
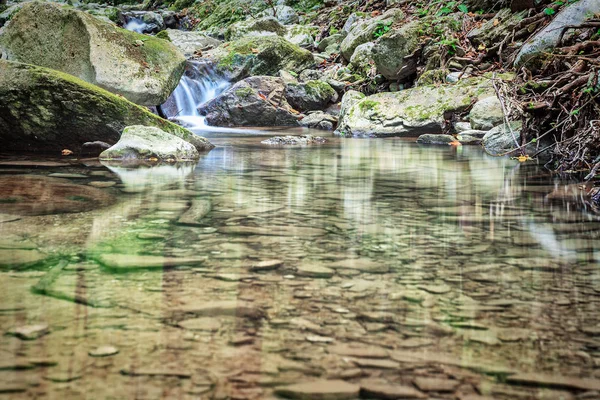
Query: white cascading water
point(135, 25)
point(199, 84)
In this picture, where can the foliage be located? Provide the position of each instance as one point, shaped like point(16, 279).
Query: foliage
point(382, 29)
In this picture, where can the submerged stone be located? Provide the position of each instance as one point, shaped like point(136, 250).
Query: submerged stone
point(104, 351)
point(20, 258)
point(320, 390)
point(30, 332)
point(128, 262)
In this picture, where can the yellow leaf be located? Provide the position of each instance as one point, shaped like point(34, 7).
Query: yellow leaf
point(523, 158)
point(66, 152)
point(496, 22)
point(481, 47)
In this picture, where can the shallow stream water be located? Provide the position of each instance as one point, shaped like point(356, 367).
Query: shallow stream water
point(406, 271)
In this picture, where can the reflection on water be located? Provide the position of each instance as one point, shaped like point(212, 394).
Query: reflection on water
point(406, 272)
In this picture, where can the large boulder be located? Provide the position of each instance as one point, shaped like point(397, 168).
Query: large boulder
point(500, 140)
point(302, 35)
point(141, 68)
point(411, 112)
point(255, 101)
point(391, 52)
point(262, 26)
point(140, 142)
point(260, 55)
point(546, 39)
point(331, 44)
point(362, 59)
point(189, 43)
point(284, 14)
point(367, 30)
point(350, 98)
point(46, 110)
point(310, 96)
point(486, 113)
point(494, 30)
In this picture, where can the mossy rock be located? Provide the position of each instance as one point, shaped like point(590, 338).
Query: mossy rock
point(45, 110)
point(262, 26)
point(310, 96)
point(261, 55)
point(141, 68)
point(412, 112)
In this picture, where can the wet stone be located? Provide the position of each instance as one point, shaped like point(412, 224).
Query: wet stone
point(201, 324)
point(20, 258)
point(30, 332)
point(127, 262)
point(359, 351)
point(383, 390)
point(320, 390)
point(314, 271)
point(267, 265)
point(436, 384)
point(104, 351)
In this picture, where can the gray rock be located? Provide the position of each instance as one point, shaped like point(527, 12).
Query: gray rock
point(144, 143)
point(197, 211)
point(319, 120)
point(310, 95)
point(255, 101)
point(391, 52)
point(468, 139)
point(143, 69)
point(190, 42)
point(350, 98)
point(363, 31)
point(496, 29)
point(362, 59)
point(500, 140)
point(547, 38)
point(104, 351)
point(302, 35)
point(462, 126)
point(379, 389)
point(294, 140)
point(320, 390)
point(132, 262)
point(260, 55)
point(411, 112)
point(435, 139)
point(331, 44)
point(284, 14)
point(486, 114)
point(311, 270)
point(262, 26)
point(30, 332)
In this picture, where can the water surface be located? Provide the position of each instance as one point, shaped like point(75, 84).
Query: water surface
point(385, 264)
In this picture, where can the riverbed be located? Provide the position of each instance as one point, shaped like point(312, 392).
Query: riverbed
point(362, 268)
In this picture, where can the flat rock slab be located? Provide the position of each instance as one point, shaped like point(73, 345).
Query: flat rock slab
point(384, 390)
point(221, 308)
point(201, 324)
point(159, 372)
point(104, 351)
point(375, 364)
point(314, 271)
point(197, 211)
point(30, 332)
point(361, 264)
point(128, 262)
point(271, 231)
point(555, 381)
point(320, 390)
point(358, 351)
point(10, 258)
point(267, 265)
point(436, 384)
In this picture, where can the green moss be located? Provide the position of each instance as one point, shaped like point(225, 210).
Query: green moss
point(244, 92)
point(164, 35)
point(366, 105)
point(319, 89)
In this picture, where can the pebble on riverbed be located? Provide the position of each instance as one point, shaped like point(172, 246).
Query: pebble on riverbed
point(295, 140)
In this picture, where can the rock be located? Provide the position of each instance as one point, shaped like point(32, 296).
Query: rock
point(473, 133)
point(104, 351)
point(462, 127)
point(93, 149)
point(46, 110)
point(468, 139)
point(260, 55)
point(573, 14)
point(486, 114)
point(500, 139)
point(331, 44)
point(350, 98)
point(284, 14)
point(127, 262)
point(292, 231)
point(320, 390)
point(255, 101)
point(147, 143)
point(197, 211)
point(20, 259)
point(294, 140)
point(376, 364)
point(201, 324)
point(392, 51)
point(267, 265)
point(362, 265)
point(554, 381)
point(319, 120)
point(496, 29)
point(362, 59)
point(376, 389)
point(97, 52)
point(30, 332)
point(310, 96)
point(359, 351)
point(221, 308)
point(302, 35)
point(427, 384)
point(310, 270)
point(40, 195)
point(435, 139)
point(413, 111)
point(364, 31)
point(259, 27)
point(190, 43)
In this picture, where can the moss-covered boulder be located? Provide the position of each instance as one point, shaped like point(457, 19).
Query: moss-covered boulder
point(391, 53)
point(311, 95)
point(260, 55)
point(412, 112)
point(141, 68)
point(262, 26)
point(255, 101)
point(188, 42)
point(367, 30)
point(146, 143)
point(302, 35)
point(46, 110)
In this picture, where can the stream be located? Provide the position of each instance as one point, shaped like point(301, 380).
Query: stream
point(435, 270)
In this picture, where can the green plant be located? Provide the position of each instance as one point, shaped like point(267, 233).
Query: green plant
point(382, 29)
point(450, 44)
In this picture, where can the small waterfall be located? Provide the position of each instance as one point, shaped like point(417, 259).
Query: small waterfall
point(136, 25)
point(199, 84)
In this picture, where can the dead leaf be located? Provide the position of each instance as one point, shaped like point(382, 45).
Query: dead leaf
point(455, 143)
point(66, 152)
point(524, 158)
point(481, 47)
point(496, 22)
point(255, 51)
point(375, 13)
point(262, 96)
point(153, 159)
